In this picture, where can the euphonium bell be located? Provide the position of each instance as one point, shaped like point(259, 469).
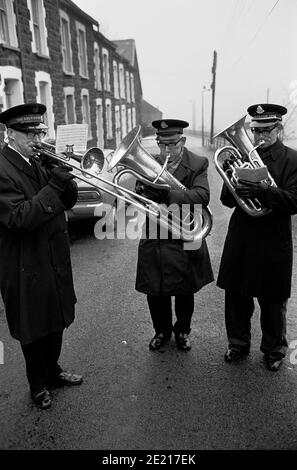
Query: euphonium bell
point(137, 161)
point(241, 154)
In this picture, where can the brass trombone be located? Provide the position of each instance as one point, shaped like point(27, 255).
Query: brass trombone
point(91, 165)
point(140, 164)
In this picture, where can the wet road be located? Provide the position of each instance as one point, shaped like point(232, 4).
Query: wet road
point(135, 399)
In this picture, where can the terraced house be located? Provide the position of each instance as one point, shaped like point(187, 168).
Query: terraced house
point(53, 52)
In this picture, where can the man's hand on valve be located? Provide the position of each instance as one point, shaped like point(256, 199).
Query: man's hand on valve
point(250, 189)
point(154, 194)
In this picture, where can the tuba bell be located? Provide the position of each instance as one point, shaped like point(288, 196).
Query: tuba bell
point(241, 154)
point(135, 160)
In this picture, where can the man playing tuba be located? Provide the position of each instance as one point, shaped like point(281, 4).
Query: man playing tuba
point(257, 255)
point(164, 268)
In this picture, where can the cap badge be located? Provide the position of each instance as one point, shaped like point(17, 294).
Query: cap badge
point(260, 110)
point(164, 125)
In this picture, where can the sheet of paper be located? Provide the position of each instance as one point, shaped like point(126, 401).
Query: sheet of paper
point(254, 175)
point(72, 134)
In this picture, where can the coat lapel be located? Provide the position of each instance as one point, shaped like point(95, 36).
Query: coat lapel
point(181, 171)
point(18, 162)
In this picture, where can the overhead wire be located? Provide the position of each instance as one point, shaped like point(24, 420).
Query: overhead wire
point(254, 36)
point(240, 13)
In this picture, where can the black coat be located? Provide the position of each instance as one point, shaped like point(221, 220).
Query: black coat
point(164, 267)
point(35, 270)
point(257, 256)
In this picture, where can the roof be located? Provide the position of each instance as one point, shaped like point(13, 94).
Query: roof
point(126, 48)
point(79, 11)
point(149, 107)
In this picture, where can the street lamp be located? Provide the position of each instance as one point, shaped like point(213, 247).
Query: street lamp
point(204, 89)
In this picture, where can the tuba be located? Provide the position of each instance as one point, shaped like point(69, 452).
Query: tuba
point(136, 161)
point(241, 154)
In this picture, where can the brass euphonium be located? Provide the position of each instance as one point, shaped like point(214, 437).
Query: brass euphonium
point(241, 154)
point(135, 160)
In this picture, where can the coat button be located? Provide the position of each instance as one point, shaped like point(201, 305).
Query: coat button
point(50, 209)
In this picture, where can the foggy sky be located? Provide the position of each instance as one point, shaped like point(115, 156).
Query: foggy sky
point(175, 40)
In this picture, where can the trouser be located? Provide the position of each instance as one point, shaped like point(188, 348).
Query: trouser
point(41, 358)
point(161, 313)
point(238, 313)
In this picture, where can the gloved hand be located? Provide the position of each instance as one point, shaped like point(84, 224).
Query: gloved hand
point(48, 162)
point(60, 177)
point(251, 190)
point(154, 194)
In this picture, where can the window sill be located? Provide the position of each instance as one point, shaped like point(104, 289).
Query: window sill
point(42, 56)
point(9, 46)
point(84, 77)
point(69, 74)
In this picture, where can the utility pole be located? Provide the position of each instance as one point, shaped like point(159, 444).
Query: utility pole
point(213, 87)
point(202, 115)
point(194, 115)
point(267, 95)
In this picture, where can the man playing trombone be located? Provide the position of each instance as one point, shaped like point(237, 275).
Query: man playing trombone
point(35, 270)
point(257, 255)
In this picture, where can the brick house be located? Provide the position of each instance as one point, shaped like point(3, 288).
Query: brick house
point(53, 52)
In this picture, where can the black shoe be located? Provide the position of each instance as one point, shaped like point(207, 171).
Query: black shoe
point(42, 399)
point(183, 341)
point(157, 341)
point(273, 363)
point(234, 354)
point(65, 378)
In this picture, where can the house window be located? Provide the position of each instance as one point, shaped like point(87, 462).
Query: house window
point(115, 79)
point(133, 117)
point(66, 43)
point(128, 87)
point(132, 88)
point(122, 81)
point(7, 24)
point(118, 125)
point(82, 50)
point(38, 28)
point(85, 109)
point(11, 86)
point(97, 70)
point(4, 31)
point(108, 119)
point(44, 95)
point(70, 117)
point(129, 120)
point(106, 79)
point(124, 120)
point(99, 120)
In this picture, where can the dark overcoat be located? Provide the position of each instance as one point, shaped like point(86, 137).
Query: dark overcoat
point(164, 267)
point(258, 254)
point(35, 267)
